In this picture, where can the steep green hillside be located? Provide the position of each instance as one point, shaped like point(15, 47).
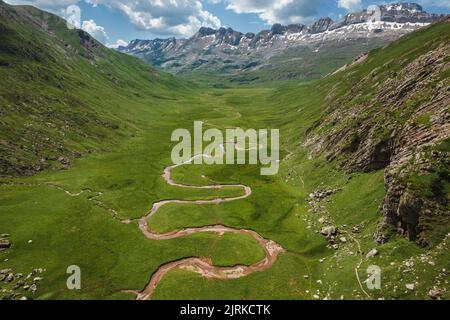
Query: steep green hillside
point(62, 94)
point(392, 112)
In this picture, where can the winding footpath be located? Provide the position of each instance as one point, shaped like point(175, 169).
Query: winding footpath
point(203, 266)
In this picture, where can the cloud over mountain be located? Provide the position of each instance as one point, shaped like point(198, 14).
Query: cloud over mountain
point(281, 11)
point(174, 17)
point(350, 5)
point(98, 32)
point(179, 17)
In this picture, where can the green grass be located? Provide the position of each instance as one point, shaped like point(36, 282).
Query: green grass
point(121, 115)
point(130, 179)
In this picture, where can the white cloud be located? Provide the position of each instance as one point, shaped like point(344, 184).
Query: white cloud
point(165, 17)
point(98, 32)
point(64, 8)
point(176, 17)
point(119, 43)
point(280, 11)
point(73, 15)
point(350, 5)
point(51, 5)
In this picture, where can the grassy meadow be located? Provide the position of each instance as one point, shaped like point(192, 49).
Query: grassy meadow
point(113, 256)
point(120, 114)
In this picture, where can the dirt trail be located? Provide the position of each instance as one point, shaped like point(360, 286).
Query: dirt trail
point(203, 266)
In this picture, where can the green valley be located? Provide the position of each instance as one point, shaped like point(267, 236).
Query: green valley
point(85, 139)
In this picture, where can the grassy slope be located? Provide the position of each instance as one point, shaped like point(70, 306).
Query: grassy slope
point(305, 64)
point(297, 64)
point(73, 230)
point(62, 93)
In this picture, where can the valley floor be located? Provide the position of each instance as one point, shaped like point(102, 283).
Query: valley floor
point(75, 217)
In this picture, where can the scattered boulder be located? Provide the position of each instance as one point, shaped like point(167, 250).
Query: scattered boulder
point(435, 294)
point(5, 244)
point(328, 231)
point(343, 239)
point(63, 160)
point(18, 285)
point(410, 286)
point(9, 277)
point(372, 253)
point(15, 284)
point(33, 288)
point(409, 264)
point(5, 271)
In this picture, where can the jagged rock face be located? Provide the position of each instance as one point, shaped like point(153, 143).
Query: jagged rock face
point(230, 52)
point(396, 127)
point(278, 29)
point(320, 26)
point(404, 12)
point(229, 36)
point(295, 28)
point(204, 31)
point(396, 13)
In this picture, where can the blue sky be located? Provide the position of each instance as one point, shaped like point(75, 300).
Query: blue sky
point(120, 21)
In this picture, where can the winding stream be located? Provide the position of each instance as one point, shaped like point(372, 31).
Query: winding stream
point(203, 266)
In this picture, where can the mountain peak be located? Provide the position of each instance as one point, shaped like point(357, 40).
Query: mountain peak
point(404, 6)
point(322, 25)
point(205, 31)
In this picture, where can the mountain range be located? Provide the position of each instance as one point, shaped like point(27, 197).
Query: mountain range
point(283, 52)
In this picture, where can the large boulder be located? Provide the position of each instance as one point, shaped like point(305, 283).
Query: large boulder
point(328, 231)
